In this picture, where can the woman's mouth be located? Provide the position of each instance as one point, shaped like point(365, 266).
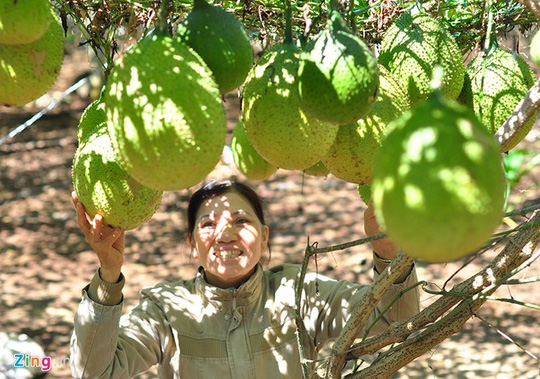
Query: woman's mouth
point(228, 254)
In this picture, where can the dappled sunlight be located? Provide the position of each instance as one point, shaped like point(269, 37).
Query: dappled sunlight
point(421, 145)
point(458, 180)
point(445, 175)
point(278, 129)
point(120, 199)
point(413, 47)
point(154, 120)
point(414, 197)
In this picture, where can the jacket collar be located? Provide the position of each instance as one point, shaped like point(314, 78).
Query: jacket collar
point(247, 293)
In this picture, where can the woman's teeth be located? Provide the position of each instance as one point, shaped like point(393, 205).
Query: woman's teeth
point(227, 254)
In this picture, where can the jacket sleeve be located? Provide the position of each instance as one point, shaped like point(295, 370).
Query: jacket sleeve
point(329, 303)
point(105, 344)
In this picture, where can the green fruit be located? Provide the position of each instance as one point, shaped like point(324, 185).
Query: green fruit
point(413, 46)
point(352, 155)
point(466, 95)
point(364, 190)
point(318, 169)
point(164, 114)
point(91, 121)
point(535, 48)
point(246, 158)
point(221, 41)
point(29, 71)
point(23, 21)
point(439, 184)
point(499, 81)
point(102, 185)
point(338, 76)
point(278, 128)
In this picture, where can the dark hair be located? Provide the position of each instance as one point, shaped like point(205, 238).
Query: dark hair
point(218, 187)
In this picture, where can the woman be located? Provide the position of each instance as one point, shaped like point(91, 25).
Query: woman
point(234, 319)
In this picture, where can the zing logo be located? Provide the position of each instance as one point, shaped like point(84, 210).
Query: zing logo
point(44, 363)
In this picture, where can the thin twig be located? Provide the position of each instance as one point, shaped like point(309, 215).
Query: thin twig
point(505, 336)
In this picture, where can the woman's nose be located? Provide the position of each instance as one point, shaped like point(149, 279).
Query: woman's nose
point(226, 232)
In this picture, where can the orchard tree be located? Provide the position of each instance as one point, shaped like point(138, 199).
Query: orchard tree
point(110, 27)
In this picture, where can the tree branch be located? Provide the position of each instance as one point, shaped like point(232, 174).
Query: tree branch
point(396, 269)
point(525, 109)
point(534, 7)
point(520, 249)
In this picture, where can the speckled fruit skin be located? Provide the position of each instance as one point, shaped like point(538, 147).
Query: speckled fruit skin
point(23, 21)
point(351, 156)
point(91, 121)
point(278, 128)
point(498, 82)
point(364, 190)
point(247, 160)
point(410, 49)
point(535, 48)
point(222, 42)
point(101, 183)
point(318, 169)
point(338, 76)
point(164, 114)
point(439, 184)
point(29, 71)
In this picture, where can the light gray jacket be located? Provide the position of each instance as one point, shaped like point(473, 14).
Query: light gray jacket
point(195, 330)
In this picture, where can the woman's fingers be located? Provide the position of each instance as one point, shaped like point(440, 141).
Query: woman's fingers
point(103, 233)
point(369, 213)
point(82, 219)
point(74, 198)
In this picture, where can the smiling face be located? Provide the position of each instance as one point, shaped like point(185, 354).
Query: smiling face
point(228, 239)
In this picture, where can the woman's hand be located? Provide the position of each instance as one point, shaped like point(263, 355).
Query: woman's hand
point(108, 243)
point(383, 247)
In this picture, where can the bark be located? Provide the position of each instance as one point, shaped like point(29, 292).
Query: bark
point(520, 249)
point(525, 109)
point(397, 268)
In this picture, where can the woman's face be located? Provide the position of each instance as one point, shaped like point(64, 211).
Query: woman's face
point(228, 239)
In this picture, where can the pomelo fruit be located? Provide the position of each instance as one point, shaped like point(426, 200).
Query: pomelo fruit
point(439, 184)
point(351, 156)
point(23, 21)
point(29, 71)
point(499, 81)
point(165, 116)
point(280, 131)
point(413, 46)
point(91, 121)
point(364, 190)
point(102, 184)
point(247, 160)
point(318, 169)
point(338, 76)
point(222, 42)
point(535, 48)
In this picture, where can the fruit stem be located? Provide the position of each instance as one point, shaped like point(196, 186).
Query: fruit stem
point(199, 3)
point(288, 22)
point(161, 23)
point(490, 37)
point(334, 6)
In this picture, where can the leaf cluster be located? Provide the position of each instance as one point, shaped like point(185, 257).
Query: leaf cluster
point(103, 22)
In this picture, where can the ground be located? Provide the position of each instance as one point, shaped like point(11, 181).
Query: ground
point(45, 261)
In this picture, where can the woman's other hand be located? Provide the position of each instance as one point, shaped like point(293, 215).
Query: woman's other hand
point(108, 243)
point(383, 247)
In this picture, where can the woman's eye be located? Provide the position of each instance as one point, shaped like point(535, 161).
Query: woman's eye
point(208, 224)
point(242, 221)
